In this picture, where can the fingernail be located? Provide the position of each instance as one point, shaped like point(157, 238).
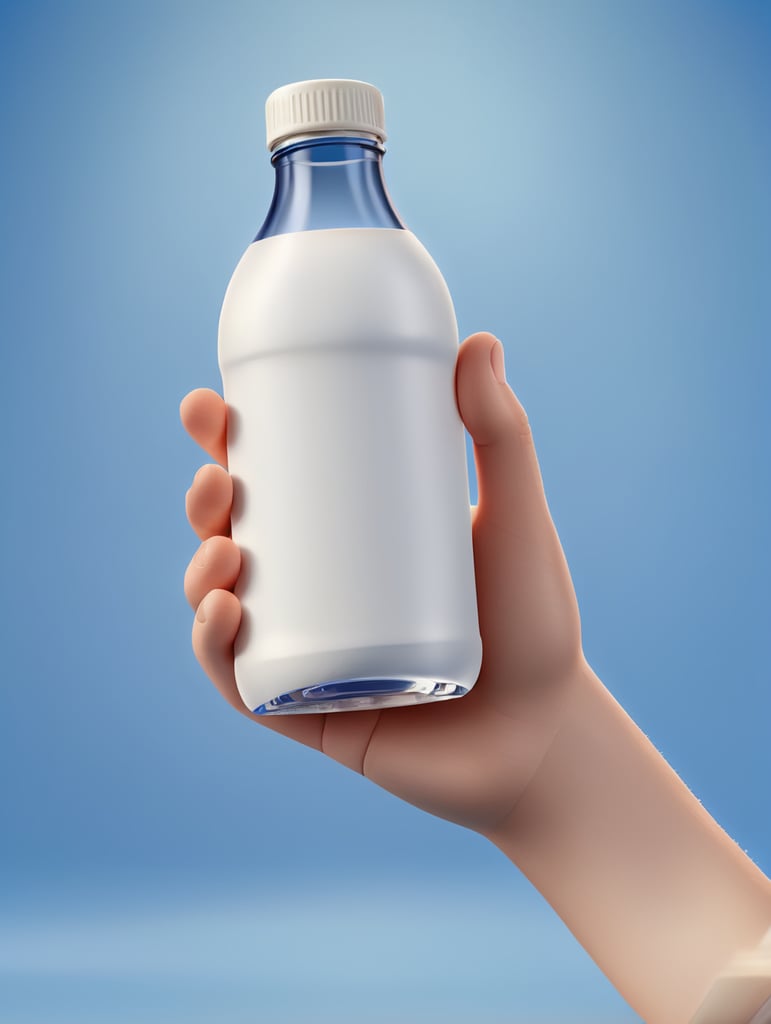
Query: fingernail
point(497, 362)
point(201, 613)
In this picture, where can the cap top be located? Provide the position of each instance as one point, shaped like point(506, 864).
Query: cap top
point(324, 105)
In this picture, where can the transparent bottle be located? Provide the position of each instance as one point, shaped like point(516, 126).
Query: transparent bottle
point(337, 349)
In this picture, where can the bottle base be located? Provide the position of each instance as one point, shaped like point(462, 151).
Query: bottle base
point(361, 695)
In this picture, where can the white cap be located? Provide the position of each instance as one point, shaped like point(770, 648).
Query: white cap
point(334, 105)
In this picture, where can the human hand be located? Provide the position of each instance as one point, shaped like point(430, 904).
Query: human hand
point(469, 759)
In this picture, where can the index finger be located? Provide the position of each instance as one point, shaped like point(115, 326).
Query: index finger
point(204, 416)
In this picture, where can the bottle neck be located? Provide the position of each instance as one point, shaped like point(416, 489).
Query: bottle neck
point(329, 181)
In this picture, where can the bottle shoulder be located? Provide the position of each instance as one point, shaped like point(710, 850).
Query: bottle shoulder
point(334, 284)
point(366, 246)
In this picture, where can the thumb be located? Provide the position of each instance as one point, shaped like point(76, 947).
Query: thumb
point(509, 480)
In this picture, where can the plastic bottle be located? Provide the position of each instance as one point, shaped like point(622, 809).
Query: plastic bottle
point(337, 349)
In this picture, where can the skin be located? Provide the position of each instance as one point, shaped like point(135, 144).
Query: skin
point(465, 760)
point(538, 758)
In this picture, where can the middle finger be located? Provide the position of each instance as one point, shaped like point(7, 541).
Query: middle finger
point(209, 500)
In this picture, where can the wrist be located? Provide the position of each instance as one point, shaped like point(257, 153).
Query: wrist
point(654, 890)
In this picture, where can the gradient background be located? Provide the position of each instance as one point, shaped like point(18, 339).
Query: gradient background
point(593, 181)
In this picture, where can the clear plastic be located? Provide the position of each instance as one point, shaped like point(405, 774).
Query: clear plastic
point(329, 182)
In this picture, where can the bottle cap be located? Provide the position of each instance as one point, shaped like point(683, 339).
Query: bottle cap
point(333, 105)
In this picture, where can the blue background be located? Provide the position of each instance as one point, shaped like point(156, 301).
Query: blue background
point(593, 181)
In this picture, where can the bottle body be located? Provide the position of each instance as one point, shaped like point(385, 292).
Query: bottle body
point(337, 350)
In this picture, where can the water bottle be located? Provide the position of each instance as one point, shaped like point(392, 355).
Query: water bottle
point(337, 348)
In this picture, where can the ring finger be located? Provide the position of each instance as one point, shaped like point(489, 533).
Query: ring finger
point(215, 566)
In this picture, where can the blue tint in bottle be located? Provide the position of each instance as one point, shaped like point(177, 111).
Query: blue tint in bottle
point(337, 349)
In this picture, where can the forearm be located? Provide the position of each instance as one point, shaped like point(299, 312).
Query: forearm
point(659, 896)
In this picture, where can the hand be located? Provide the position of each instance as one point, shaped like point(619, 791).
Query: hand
point(467, 760)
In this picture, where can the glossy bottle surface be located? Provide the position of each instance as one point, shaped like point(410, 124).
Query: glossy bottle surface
point(337, 349)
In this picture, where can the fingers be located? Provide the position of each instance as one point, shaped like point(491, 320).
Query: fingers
point(204, 416)
point(215, 566)
point(215, 629)
point(208, 501)
point(214, 632)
